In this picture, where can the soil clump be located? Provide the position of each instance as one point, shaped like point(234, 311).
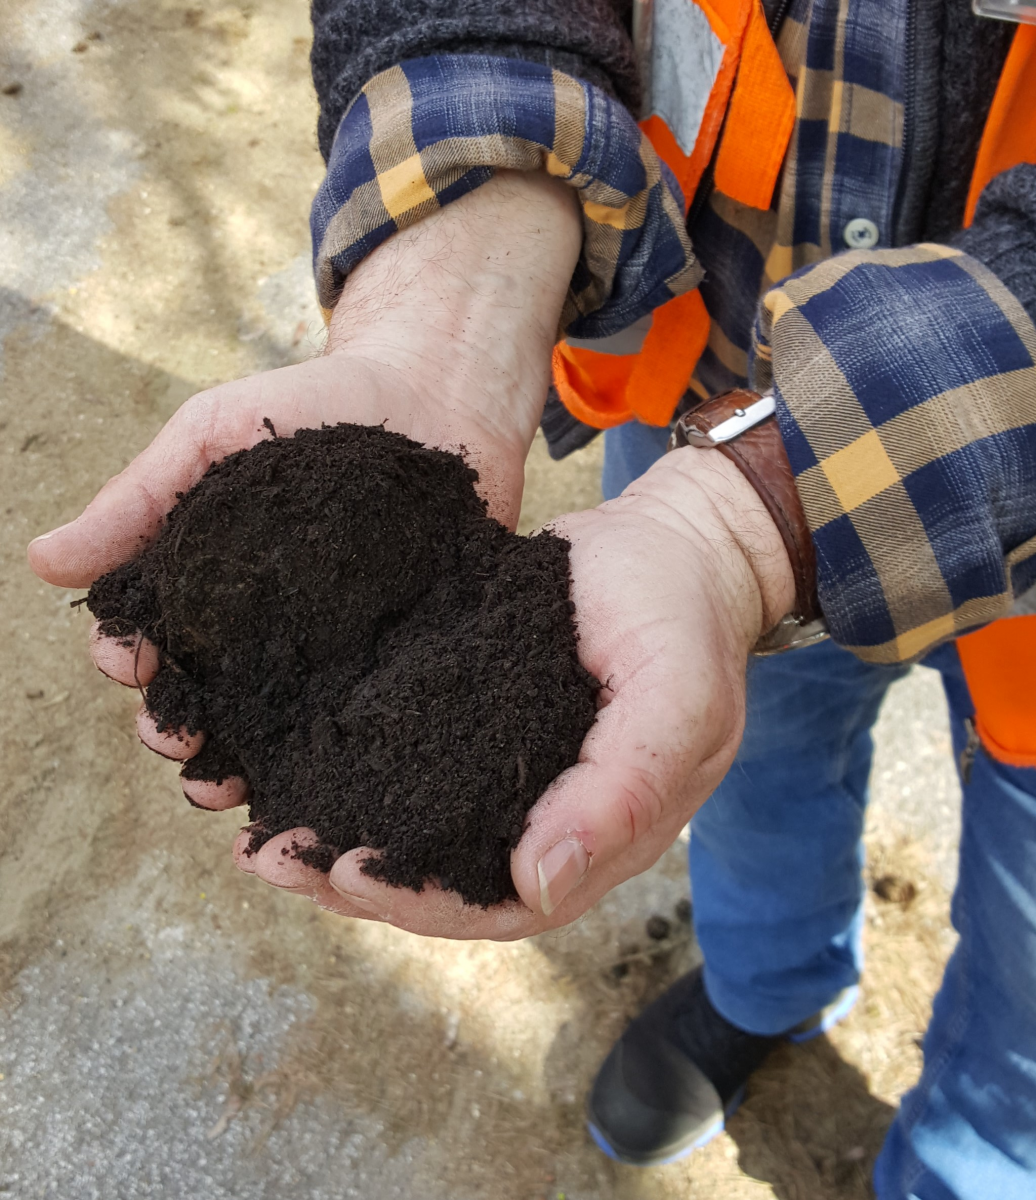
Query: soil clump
point(379, 659)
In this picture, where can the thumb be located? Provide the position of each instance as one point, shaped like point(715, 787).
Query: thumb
point(121, 521)
point(126, 515)
point(646, 766)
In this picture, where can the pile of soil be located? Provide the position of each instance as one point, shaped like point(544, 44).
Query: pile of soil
point(378, 658)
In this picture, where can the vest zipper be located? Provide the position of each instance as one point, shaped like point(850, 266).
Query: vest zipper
point(909, 80)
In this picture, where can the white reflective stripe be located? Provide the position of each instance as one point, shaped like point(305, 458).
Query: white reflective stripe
point(1022, 11)
point(626, 341)
point(684, 58)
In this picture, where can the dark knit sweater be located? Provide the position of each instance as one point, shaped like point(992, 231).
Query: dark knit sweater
point(958, 58)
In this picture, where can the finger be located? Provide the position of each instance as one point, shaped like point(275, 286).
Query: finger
point(432, 912)
point(206, 793)
point(125, 516)
point(243, 859)
point(277, 864)
point(175, 744)
point(127, 513)
point(131, 660)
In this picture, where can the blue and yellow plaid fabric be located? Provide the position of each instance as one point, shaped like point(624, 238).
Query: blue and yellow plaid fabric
point(906, 392)
point(846, 60)
point(431, 130)
point(904, 377)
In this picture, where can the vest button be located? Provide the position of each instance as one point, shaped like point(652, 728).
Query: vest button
point(860, 234)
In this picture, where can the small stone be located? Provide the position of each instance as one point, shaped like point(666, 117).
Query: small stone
point(620, 970)
point(80, 47)
point(13, 89)
point(657, 928)
point(682, 911)
point(896, 890)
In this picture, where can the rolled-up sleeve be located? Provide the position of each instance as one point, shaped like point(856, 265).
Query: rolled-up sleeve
point(906, 392)
point(427, 131)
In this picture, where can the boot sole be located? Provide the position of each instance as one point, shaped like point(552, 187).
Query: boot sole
point(703, 1138)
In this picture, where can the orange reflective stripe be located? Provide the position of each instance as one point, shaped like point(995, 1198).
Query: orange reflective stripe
point(662, 370)
point(592, 386)
point(1010, 134)
point(752, 95)
point(727, 19)
point(688, 171)
point(1000, 661)
point(760, 120)
point(1000, 667)
point(604, 390)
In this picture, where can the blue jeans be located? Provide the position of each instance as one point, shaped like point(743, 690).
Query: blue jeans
point(775, 862)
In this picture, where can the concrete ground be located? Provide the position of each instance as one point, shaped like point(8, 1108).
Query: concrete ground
point(168, 1027)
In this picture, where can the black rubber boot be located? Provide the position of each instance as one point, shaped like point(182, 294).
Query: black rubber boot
point(673, 1078)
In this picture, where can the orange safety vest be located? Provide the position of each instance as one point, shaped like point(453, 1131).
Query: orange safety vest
point(738, 94)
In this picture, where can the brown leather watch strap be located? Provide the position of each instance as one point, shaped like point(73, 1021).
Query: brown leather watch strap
point(760, 455)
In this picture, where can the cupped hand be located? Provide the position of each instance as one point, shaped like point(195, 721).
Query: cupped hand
point(444, 334)
point(127, 514)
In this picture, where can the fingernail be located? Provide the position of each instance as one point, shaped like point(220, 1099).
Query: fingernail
point(559, 871)
point(44, 536)
point(359, 901)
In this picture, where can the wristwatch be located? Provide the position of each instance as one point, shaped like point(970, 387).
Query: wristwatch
point(742, 425)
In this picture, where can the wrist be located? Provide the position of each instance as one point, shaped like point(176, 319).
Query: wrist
point(464, 306)
point(721, 515)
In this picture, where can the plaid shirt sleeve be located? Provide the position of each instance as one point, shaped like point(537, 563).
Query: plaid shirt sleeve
point(906, 392)
point(430, 130)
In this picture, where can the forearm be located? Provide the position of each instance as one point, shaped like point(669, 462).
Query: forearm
point(464, 306)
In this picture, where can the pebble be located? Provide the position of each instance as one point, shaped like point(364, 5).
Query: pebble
point(657, 928)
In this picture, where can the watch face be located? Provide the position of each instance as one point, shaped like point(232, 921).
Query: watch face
point(1022, 11)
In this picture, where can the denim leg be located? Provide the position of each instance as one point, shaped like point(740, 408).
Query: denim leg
point(775, 852)
point(968, 1130)
point(628, 452)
